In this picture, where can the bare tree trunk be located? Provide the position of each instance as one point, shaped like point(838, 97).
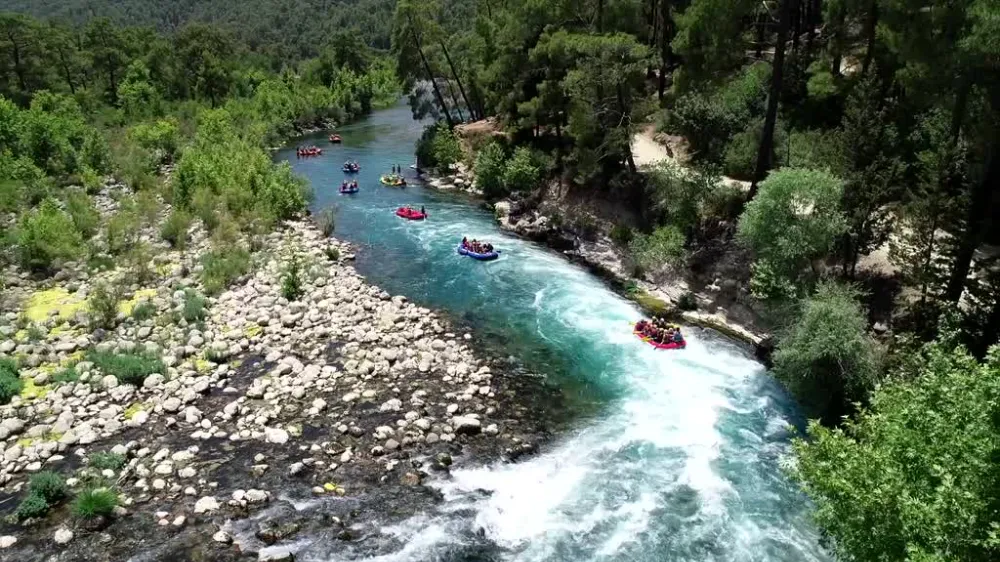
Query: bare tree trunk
point(447, 57)
point(765, 153)
point(430, 76)
point(18, 68)
point(976, 224)
point(871, 24)
point(761, 22)
point(666, 51)
point(836, 43)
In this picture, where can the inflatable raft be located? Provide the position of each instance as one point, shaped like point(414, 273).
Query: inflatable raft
point(393, 181)
point(309, 152)
point(670, 345)
point(351, 169)
point(476, 256)
point(411, 214)
point(349, 190)
point(335, 139)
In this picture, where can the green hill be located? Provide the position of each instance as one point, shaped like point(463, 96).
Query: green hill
point(283, 28)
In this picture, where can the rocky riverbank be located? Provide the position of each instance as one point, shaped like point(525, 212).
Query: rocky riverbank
point(246, 415)
point(716, 303)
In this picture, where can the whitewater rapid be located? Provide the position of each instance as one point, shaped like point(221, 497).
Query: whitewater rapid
point(681, 459)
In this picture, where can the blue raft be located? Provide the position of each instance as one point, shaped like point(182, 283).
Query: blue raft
point(484, 257)
point(349, 190)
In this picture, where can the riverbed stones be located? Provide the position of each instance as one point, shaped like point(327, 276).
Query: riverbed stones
point(206, 504)
point(62, 535)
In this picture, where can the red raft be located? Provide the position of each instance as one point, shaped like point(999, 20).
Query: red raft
point(335, 139)
point(410, 213)
point(669, 345)
point(309, 152)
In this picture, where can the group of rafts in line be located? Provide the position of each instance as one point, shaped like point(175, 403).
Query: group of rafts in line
point(656, 332)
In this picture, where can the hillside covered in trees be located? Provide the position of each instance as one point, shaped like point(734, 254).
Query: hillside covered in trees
point(850, 134)
point(283, 31)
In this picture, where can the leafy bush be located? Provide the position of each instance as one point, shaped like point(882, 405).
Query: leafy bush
point(175, 228)
point(291, 282)
point(103, 305)
point(521, 172)
point(794, 219)
point(95, 502)
point(913, 477)
point(687, 301)
point(122, 231)
point(707, 119)
point(332, 253)
point(490, 168)
point(664, 246)
point(49, 486)
point(740, 159)
point(128, 368)
point(438, 147)
point(826, 358)
point(160, 136)
point(326, 223)
point(147, 207)
point(143, 311)
point(139, 261)
point(195, 307)
point(621, 235)
point(32, 506)
point(220, 268)
point(106, 461)
point(10, 382)
point(46, 234)
point(83, 213)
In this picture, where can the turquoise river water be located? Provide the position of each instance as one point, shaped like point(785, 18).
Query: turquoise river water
point(678, 457)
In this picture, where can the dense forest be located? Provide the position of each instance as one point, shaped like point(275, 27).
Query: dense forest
point(80, 104)
point(284, 31)
point(858, 128)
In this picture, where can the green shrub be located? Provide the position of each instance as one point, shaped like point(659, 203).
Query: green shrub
point(66, 376)
point(49, 486)
point(143, 311)
point(128, 368)
point(147, 206)
point(676, 195)
point(10, 382)
point(795, 218)
point(687, 301)
point(103, 306)
point(521, 172)
point(122, 231)
point(708, 119)
point(489, 168)
point(85, 216)
point(291, 282)
point(325, 221)
point(160, 136)
point(175, 228)
point(621, 235)
point(46, 234)
point(205, 205)
point(95, 502)
point(106, 461)
point(220, 268)
point(138, 262)
point(664, 246)
point(36, 333)
point(740, 159)
point(194, 307)
point(438, 148)
point(826, 358)
point(332, 253)
point(32, 506)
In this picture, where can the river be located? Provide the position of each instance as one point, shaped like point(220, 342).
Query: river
point(674, 455)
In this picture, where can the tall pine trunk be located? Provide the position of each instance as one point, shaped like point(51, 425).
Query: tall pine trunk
point(461, 89)
point(765, 153)
point(976, 223)
point(871, 24)
point(18, 67)
point(430, 75)
point(666, 51)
